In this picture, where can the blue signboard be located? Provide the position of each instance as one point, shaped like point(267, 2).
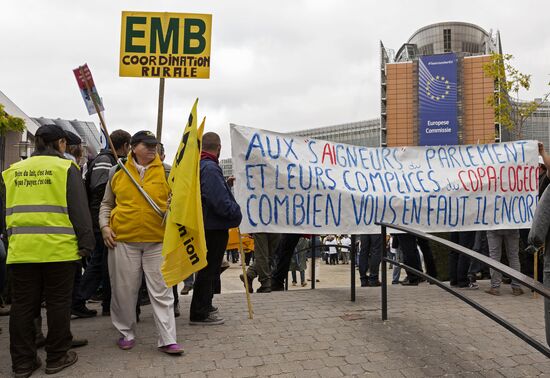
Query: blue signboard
point(437, 100)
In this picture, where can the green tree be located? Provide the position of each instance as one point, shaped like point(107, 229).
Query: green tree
point(8, 123)
point(510, 111)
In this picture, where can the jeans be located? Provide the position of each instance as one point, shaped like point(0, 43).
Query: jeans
point(189, 281)
point(206, 278)
point(480, 246)
point(396, 274)
point(459, 264)
point(370, 257)
point(29, 282)
point(302, 276)
point(511, 241)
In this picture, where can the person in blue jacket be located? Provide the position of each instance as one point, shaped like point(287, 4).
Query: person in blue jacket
point(220, 213)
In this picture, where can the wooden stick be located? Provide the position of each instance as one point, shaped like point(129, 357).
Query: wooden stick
point(160, 109)
point(535, 269)
point(241, 252)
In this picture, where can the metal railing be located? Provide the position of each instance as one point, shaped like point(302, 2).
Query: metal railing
point(493, 264)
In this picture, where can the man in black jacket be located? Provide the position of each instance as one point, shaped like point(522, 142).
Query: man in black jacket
point(97, 272)
point(220, 213)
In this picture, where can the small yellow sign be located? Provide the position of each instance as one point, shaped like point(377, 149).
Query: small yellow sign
point(168, 45)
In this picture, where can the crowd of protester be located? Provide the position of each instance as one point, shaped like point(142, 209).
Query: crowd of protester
point(89, 235)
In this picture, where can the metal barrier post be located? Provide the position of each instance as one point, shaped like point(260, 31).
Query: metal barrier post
point(313, 248)
point(384, 276)
point(352, 254)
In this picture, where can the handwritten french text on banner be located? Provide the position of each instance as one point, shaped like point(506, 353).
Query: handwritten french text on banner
point(293, 184)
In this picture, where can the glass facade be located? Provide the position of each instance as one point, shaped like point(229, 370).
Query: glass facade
point(458, 37)
point(536, 127)
point(362, 133)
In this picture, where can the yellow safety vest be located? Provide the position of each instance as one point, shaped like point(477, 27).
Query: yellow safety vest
point(37, 218)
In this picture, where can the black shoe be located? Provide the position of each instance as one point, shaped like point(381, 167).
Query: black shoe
point(64, 362)
point(210, 320)
point(77, 343)
point(185, 290)
point(250, 289)
point(277, 287)
point(364, 284)
point(263, 289)
point(83, 312)
point(96, 298)
point(176, 311)
point(106, 313)
point(27, 372)
point(213, 310)
point(406, 282)
point(375, 283)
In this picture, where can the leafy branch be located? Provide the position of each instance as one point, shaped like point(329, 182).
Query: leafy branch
point(510, 111)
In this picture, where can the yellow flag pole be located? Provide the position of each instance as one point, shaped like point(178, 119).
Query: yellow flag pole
point(241, 252)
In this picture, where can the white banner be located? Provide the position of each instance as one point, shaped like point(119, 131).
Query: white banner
point(292, 184)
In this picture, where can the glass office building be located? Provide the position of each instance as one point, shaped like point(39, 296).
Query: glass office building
point(362, 133)
point(444, 37)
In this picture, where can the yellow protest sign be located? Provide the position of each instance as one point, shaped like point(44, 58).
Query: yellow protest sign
point(167, 45)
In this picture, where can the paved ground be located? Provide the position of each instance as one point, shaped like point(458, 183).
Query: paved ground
point(311, 333)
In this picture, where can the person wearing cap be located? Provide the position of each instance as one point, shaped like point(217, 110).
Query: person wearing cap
point(134, 232)
point(74, 147)
point(49, 228)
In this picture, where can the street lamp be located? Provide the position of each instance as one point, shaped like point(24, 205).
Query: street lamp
point(23, 149)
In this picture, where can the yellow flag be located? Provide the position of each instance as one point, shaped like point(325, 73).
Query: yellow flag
point(184, 248)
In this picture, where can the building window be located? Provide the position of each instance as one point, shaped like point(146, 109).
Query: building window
point(447, 40)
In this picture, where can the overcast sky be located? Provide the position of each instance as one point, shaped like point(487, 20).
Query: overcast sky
point(279, 65)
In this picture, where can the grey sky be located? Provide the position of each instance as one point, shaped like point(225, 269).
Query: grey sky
point(280, 65)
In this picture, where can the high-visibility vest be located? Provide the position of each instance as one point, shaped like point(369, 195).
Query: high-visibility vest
point(37, 218)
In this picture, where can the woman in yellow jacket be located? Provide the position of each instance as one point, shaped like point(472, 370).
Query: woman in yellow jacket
point(133, 232)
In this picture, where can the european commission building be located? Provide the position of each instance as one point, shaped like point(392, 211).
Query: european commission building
point(433, 91)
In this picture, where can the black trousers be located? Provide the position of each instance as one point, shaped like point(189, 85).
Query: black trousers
point(96, 273)
point(459, 264)
point(206, 278)
point(410, 254)
point(370, 255)
point(29, 281)
point(283, 255)
point(428, 256)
